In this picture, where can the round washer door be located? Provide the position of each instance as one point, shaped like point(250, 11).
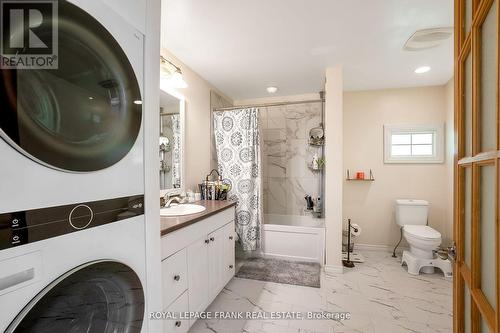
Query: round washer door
point(100, 297)
point(85, 115)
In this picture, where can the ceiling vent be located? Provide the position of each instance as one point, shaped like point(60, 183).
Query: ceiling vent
point(427, 38)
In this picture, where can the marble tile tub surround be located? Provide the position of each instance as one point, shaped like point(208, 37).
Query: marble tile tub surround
point(379, 294)
point(286, 154)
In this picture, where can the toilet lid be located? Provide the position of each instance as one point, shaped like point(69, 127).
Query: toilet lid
point(422, 231)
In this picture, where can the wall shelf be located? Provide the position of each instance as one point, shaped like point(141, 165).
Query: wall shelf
point(370, 179)
point(316, 144)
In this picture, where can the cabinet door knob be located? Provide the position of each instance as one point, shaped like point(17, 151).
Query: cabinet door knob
point(207, 241)
point(212, 239)
point(177, 277)
point(178, 323)
point(231, 237)
point(231, 266)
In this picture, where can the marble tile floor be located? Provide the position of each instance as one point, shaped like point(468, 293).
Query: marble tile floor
point(379, 295)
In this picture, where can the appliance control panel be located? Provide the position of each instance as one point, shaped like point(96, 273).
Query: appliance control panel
point(80, 217)
point(18, 228)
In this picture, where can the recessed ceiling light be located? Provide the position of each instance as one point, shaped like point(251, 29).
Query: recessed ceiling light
point(272, 90)
point(422, 69)
point(138, 102)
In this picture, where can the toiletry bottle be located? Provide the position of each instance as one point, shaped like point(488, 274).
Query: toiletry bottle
point(317, 207)
point(309, 202)
point(315, 165)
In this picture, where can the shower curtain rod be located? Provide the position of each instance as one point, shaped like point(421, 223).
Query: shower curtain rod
point(266, 105)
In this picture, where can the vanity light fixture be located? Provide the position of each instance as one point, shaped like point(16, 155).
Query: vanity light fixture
point(422, 69)
point(272, 90)
point(177, 80)
point(171, 76)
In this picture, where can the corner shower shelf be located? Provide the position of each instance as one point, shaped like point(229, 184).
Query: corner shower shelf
point(371, 179)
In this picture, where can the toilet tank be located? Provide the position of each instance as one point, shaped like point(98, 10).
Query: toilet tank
point(411, 212)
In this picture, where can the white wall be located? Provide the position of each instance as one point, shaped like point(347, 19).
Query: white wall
point(198, 114)
point(450, 155)
point(333, 168)
point(371, 204)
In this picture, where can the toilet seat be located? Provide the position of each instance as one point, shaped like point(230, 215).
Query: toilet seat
point(422, 232)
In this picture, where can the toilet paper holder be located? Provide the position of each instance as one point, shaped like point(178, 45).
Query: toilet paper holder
point(353, 229)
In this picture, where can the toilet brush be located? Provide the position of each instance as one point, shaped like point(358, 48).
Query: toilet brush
point(348, 262)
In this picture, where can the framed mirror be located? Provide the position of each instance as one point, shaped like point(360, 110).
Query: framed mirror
point(171, 141)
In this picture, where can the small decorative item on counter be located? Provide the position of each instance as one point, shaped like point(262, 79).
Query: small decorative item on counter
point(360, 175)
point(190, 196)
point(197, 196)
point(223, 193)
point(214, 189)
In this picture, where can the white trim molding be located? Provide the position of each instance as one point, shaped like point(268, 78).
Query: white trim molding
point(382, 248)
point(333, 269)
point(373, 247)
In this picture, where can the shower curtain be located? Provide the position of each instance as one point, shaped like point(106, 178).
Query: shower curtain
point(237, 142)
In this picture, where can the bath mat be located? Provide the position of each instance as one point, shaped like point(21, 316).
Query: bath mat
point(281, 271)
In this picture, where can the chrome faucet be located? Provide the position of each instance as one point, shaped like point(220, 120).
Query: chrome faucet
point(175, 198)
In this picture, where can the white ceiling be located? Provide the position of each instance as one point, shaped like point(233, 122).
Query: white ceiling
point(243, 46)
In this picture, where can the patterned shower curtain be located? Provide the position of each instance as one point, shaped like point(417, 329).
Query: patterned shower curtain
point(237, 142)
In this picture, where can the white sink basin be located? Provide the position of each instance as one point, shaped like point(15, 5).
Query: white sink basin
point(183, 209)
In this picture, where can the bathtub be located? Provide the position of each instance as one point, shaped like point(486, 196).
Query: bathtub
point(293, 237)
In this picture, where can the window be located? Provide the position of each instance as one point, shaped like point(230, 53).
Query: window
point(413, 143)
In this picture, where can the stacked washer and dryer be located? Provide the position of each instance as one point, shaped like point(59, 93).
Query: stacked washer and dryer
point(72, 228)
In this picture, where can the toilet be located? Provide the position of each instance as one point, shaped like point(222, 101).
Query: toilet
point(412, 216)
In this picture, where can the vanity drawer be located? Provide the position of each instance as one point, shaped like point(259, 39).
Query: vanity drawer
point(177, 325)
point(174, 276)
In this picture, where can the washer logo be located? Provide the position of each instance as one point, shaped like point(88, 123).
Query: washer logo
point(28, 34)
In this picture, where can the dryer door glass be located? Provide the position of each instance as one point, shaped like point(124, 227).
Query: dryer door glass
point(103, 297)
point(83, 116)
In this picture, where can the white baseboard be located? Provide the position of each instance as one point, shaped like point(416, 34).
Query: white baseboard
point(373, 247)
point(290, 258)
point(334, 269)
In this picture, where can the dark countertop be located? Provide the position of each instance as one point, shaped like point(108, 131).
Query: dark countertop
point(172, 223)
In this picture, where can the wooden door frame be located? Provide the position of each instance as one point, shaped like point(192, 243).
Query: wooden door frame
point(465, 44)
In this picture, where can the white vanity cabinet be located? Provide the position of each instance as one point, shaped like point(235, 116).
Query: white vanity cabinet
point(211, 266)
point(221, 258)
point(174, 276)
point(198, 262)
point(229, 254)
